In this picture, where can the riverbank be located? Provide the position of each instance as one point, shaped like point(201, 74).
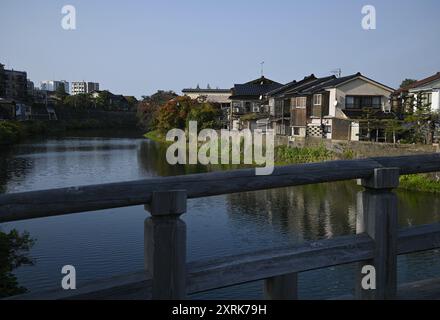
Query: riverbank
point(12, 132)
point(285, 155)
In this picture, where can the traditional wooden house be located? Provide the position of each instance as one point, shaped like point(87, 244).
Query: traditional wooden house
point(334, 108)
point(279, 105)
point(250, 98)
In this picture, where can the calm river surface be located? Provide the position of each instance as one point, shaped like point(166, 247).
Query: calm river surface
point(110, 242)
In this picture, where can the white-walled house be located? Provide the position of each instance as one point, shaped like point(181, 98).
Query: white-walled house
point(334, 108)
point(429, 88)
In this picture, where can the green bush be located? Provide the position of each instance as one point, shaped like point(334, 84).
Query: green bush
point(419, 182)
point(11, 132)
point(288, 155)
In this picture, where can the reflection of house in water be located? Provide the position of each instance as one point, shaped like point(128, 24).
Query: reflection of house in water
point(305, 212)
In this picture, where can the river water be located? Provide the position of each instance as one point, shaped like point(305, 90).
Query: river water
point(110, 242)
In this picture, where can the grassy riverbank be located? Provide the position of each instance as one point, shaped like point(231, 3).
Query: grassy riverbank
point(156, 136)
point(285, 155)
point(420, 182)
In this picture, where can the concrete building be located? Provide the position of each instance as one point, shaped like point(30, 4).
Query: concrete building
point(30, 87)
point(218, 96)
point(15, 84)
point(79, 87)
point(54, 85)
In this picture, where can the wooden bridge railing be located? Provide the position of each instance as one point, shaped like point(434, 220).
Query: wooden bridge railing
point(168, 276)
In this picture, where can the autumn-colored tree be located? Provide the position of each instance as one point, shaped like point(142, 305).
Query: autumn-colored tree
point(173, 114)
point(148, 107)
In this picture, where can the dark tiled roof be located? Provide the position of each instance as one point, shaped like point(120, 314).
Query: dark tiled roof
point(255, 88)
point(419, 83)
point(291, 85)
point(320, 84)
point(305, 88)
point(190, 90)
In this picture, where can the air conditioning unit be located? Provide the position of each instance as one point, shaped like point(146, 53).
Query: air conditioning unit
point(386, 109)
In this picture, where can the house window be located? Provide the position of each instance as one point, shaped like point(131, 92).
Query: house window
point(429, 99)
point(377, 102)
point(296, 131)
point(360, 102)
point(317, 99)
point(300, 102)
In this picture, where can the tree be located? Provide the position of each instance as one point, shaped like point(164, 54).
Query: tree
point(206, 115)
point(393, 128)
point(148, 107)
point(79, 101)
point(407, 82)
point(173, 114)
point(132, 102)
point(419, 118)
point(13, 254)
point(103, 99)
point(61, 91)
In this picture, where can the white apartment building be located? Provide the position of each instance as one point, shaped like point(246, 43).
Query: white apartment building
point(84, 87)
point(53, 85)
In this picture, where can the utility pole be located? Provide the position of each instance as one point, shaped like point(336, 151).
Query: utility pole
point(262, 68)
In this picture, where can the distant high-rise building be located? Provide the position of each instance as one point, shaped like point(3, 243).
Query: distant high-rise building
point(30, 87)
point(2, 81)
point(53, 85)
point(14, 84)
point(84, 87)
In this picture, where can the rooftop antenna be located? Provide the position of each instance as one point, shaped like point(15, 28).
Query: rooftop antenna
point(262, 68)
point(337, 72)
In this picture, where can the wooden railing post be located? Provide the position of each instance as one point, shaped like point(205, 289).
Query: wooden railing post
point(378, 218)
point(165, 245)
point(283, 287)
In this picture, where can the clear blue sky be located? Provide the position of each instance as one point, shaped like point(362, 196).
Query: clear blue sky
point(137, 47)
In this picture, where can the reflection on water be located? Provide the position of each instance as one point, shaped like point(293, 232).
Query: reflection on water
point(110, 242)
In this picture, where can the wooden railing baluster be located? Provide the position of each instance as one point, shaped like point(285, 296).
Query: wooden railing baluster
point(165, 245)
point(378, 218)
point(283, 287)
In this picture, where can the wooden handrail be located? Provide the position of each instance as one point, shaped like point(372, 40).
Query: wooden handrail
point(45, 203)
point(204, 275)
point(168, 276)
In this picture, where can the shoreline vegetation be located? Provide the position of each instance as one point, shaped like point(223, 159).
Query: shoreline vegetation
point(285, 155)
point(13, 132)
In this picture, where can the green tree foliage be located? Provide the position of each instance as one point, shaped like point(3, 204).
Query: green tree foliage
point(419, 119)
point(61, 91)
point(79, 101)
point(132, 102)
point(13, 254)
point(393, 128)
point(103, 99)
point(206, 115)
point(407, 82)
